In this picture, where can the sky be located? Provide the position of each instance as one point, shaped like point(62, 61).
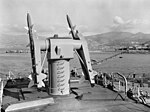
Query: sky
point(89, 16)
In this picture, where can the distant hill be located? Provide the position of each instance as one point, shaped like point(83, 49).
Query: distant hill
point(102, 41)
point(13, 41)
point(115, 39)
point(8, 41)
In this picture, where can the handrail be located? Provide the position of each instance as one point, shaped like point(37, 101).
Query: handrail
point(124, 78)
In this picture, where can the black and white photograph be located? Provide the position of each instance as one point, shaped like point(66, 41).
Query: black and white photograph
point(74, 56)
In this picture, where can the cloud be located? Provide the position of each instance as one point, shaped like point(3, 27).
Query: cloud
point(121, 25)
point(95, 14)
point(17, 29)
point(130, 25)
point(118, 20)
point(13, 29)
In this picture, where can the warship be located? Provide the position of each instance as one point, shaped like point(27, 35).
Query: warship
point(57, 89)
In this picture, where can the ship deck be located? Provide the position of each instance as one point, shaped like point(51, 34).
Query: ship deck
point(96, 99)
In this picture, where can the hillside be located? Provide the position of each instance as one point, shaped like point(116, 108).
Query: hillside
point(115, 39)
point(104, 41)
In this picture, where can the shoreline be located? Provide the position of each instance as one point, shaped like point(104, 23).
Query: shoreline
point(27, 50)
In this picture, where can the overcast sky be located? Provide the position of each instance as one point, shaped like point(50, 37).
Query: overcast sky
point(90, 16)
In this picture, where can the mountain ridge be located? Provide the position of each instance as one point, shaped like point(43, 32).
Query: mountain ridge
point(115, 39)
point(95, 42)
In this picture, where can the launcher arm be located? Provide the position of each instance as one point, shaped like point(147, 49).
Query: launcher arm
point(84, 57)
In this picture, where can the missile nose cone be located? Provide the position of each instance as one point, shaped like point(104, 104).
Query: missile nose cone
point(28, 15)
point(67, 17)
point(28, 20)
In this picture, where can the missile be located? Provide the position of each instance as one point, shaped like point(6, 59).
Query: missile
point(32, 49)
point(71, 26)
